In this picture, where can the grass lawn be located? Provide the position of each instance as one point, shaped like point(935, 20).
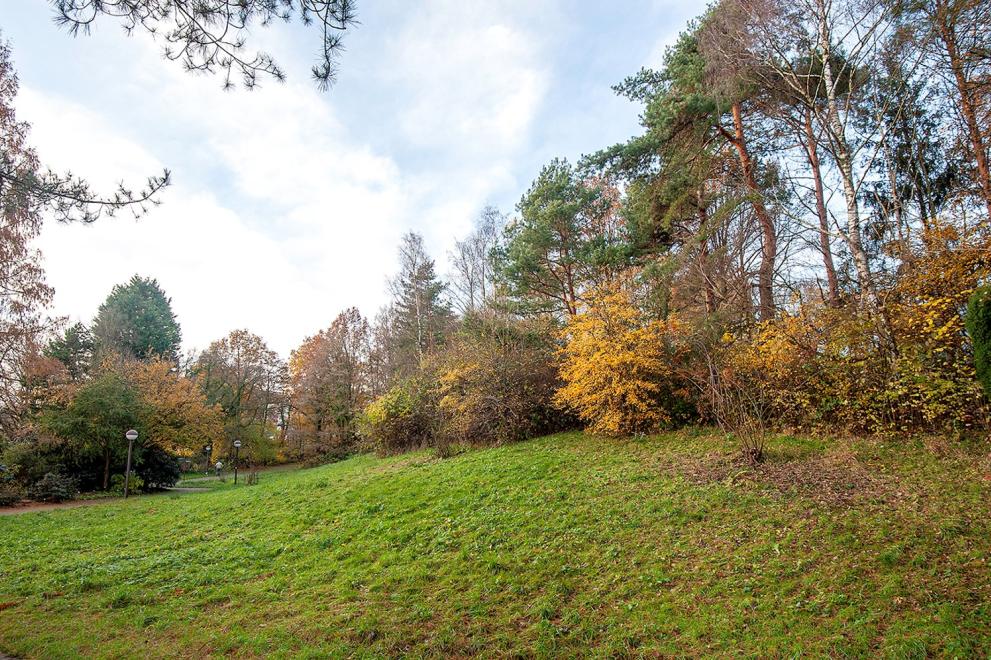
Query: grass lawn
point(564, 545)
point(210, 481)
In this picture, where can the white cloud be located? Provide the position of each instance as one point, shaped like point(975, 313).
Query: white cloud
point(679, 14)
point(476, 85)
point(278, 219)
point(282, 282)
point(288, 203)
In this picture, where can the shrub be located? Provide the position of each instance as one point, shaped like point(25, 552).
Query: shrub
point(403, 418)
point(979, 329)
point(906, 369)
point(29, 460)
point(496, 381)
point(136, 485)
point(158, 468)
point(334, 455)
point(618, 367)
point(10, 494)
point(10, 490)
point(53, 487)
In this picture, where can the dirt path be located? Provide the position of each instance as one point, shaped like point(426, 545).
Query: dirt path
point(31, 507)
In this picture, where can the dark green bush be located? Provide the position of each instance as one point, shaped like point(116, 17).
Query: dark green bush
point(158, 468)
point(979, 329)
point(53, 487)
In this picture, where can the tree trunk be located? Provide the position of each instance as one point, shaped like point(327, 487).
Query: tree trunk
point(710, 293)
point(769, 239)
point(827, 253)
point(106, 469)
point(845, 166)
point(967, 106)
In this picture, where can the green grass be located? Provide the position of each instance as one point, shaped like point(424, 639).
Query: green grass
point(566, 545)
point(209, 481)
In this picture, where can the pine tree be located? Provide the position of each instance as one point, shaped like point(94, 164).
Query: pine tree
point(74, 349)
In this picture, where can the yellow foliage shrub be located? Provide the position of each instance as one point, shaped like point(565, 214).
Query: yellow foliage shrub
point(618, 366)
point(909, 370)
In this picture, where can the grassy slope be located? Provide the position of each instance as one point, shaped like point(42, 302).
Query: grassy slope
point(566, 544)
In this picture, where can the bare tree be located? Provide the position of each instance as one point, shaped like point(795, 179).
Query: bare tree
point(473, 276)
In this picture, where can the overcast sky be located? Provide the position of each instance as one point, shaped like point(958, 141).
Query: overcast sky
point(288, 203)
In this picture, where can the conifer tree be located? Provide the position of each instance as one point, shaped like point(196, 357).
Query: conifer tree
point(137, 321)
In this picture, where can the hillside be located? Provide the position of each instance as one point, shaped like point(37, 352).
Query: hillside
point(567, 544)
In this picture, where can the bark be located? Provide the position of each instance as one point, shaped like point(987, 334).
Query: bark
point(710, 293)
point(968, 105)
point(844, 161)
point(812, 150)
point(106, 469)
point(769, 239)
point(896, 201)
point(570, 296)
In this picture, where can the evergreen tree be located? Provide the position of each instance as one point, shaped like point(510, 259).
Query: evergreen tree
point(137, 321)
point(563, 241)
point(74, 349)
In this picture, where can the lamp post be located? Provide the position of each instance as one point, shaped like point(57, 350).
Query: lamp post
point(206, 459)
point(131, 436)
point(237, 448)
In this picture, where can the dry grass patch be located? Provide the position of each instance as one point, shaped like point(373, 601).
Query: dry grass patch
point(835, 477)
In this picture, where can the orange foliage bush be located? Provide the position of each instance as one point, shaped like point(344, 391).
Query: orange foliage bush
point(618, 367)
point(911, 371)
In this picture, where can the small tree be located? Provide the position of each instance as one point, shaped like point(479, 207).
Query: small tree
point(97, 418)
point(617, 366)
point(979, 328)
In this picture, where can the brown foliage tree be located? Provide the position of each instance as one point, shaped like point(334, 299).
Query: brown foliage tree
point(328, 385)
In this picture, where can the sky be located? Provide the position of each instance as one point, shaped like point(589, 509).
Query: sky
point(288, 203)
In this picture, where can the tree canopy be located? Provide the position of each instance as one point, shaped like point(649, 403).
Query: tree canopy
point(136, 320)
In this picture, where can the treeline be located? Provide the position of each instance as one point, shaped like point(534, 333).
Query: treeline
point(792, 242)
point(83, 389)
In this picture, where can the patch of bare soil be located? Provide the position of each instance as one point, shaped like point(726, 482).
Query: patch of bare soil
point(835, 478)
